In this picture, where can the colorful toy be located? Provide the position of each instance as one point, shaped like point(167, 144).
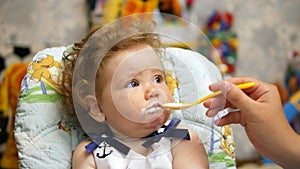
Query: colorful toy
point(292, 88)
point(292, 107)
point(189, 4)
point(119, 8)
point(172, 7)
point(223, 39)
point(9, 92)
point(292, 77)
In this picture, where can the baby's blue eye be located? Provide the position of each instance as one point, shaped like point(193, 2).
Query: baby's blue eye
point(132, 84)
point(158, 79)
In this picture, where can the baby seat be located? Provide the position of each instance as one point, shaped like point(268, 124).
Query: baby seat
point(46, 135)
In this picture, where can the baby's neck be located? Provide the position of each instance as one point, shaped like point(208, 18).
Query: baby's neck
point(132, 142)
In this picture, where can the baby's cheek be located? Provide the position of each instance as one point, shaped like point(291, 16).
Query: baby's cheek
point(168, 112)
point(169, 97)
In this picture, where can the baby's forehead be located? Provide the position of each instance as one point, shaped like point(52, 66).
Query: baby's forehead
point(141, 59)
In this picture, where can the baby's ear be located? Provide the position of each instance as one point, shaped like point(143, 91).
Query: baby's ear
point(95, 111)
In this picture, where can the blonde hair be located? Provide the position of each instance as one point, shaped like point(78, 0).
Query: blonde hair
point(97, 43)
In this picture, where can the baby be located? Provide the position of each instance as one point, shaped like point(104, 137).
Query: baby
point(130, 87)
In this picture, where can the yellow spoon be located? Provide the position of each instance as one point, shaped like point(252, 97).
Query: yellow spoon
point(180, 106)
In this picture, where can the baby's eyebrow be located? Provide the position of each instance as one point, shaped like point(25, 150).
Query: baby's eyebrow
point(126, 76)
point(158, 70)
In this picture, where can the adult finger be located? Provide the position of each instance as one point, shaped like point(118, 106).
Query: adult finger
point(230, 118)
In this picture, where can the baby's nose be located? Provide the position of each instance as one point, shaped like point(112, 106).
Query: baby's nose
point(155, 93)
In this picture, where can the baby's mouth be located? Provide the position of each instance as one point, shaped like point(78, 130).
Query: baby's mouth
point(153, 107)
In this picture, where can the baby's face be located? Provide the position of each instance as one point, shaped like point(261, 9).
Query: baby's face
point(136, 88)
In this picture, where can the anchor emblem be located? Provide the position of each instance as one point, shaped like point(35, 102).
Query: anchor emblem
point(104, 154)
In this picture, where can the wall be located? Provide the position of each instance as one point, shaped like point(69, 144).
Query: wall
point(53, 22)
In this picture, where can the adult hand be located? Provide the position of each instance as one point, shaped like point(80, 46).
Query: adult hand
point(260, 112)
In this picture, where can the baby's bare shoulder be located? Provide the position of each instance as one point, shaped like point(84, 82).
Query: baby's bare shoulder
point(81, 159)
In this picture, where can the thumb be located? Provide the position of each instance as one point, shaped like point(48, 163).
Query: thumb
point(238, 98)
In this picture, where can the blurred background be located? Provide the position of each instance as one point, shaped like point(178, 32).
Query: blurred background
point(252, 38)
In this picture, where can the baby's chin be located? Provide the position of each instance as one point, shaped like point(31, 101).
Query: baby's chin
point(148, 128)
point(158, 122)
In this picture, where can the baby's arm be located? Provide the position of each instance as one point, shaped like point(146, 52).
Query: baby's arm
point(81, 159)
point(189, 153)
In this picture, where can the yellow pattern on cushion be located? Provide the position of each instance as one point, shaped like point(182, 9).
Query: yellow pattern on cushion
point(171, 82)
point(227, 141)
point(40, 71)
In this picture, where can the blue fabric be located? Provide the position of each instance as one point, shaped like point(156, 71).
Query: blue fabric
point(106, 136)
point(290, 111)
point(169, 131)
